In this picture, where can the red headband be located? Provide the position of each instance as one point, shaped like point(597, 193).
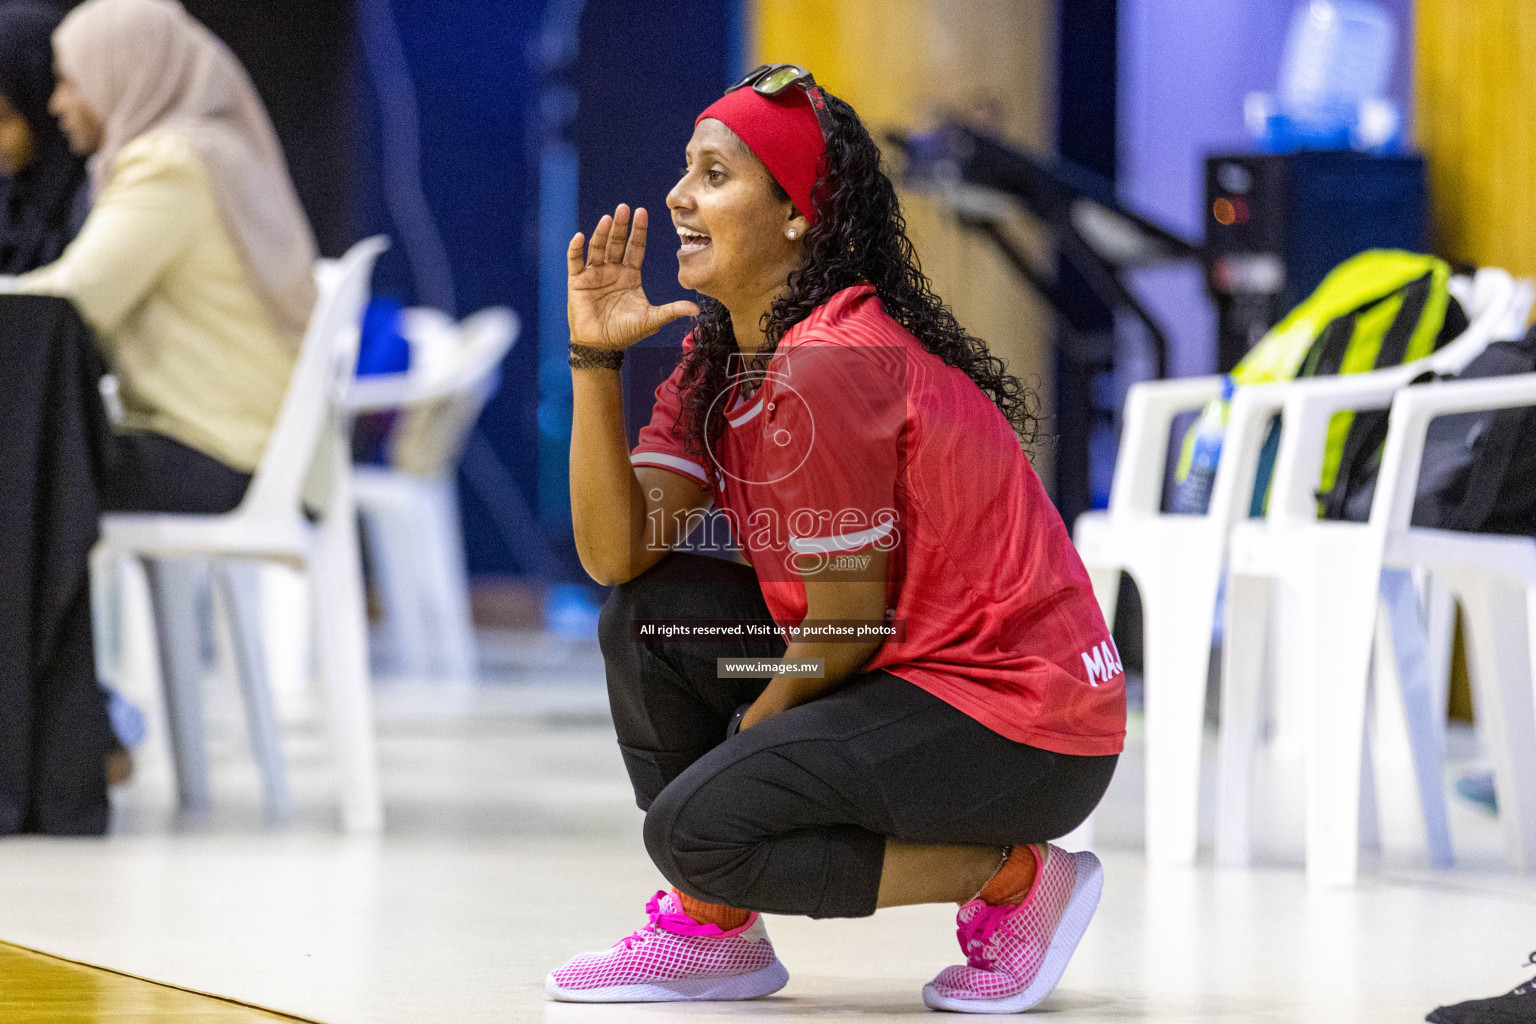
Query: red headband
point(782, 132)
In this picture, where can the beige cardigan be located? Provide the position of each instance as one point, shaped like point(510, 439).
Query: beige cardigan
point(155, 275)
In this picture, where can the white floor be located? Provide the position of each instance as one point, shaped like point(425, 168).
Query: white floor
point(513, 842)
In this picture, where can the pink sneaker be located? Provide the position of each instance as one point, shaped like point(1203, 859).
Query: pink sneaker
point(673, 958)
point(1015, 955)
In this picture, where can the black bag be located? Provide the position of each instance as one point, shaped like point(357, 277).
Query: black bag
point(1478, 474)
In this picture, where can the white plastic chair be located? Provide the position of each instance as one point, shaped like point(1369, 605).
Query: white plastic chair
point(270, 525)
point(1494, 579)
point(1176, 563)
point(1176, 560)
point(410, 510)
point(1335, 570)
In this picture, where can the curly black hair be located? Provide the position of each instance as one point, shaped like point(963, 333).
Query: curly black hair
point(859, 236)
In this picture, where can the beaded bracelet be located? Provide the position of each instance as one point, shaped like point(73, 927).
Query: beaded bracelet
point(586, 357)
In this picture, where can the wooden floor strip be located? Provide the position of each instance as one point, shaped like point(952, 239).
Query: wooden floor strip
point(40, 988)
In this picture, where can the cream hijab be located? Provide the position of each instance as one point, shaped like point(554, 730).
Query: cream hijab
point(147, 64)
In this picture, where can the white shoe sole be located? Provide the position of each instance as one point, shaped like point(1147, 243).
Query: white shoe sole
point(736, 986)
point(1074, 922)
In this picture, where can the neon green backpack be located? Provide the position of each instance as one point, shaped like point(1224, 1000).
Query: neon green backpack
point(1381, 308)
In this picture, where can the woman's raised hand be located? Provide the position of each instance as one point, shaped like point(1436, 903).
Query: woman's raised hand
point(605, 302)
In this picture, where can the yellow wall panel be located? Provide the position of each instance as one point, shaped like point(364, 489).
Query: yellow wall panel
point(1475, 93)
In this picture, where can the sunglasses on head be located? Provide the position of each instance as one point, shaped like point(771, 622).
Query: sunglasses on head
point(772, 79)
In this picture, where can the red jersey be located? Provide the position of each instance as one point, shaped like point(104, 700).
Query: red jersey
point(859, 439)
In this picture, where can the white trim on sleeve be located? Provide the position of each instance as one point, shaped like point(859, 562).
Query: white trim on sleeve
point(842, 542)
point(673, 462)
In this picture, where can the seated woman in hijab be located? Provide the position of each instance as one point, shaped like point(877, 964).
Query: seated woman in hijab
point(195, 265)
point(43, 197)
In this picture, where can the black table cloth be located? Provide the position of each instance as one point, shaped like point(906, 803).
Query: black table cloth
point(54, 731)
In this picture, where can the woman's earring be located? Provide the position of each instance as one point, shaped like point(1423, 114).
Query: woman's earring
point(792, 232)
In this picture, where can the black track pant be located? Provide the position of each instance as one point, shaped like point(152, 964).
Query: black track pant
point(149, 472)
point(791, 816)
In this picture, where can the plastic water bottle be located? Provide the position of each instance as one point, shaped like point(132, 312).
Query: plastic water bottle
point(1338, 58)
point(1193, 494)
point(1337, 55)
